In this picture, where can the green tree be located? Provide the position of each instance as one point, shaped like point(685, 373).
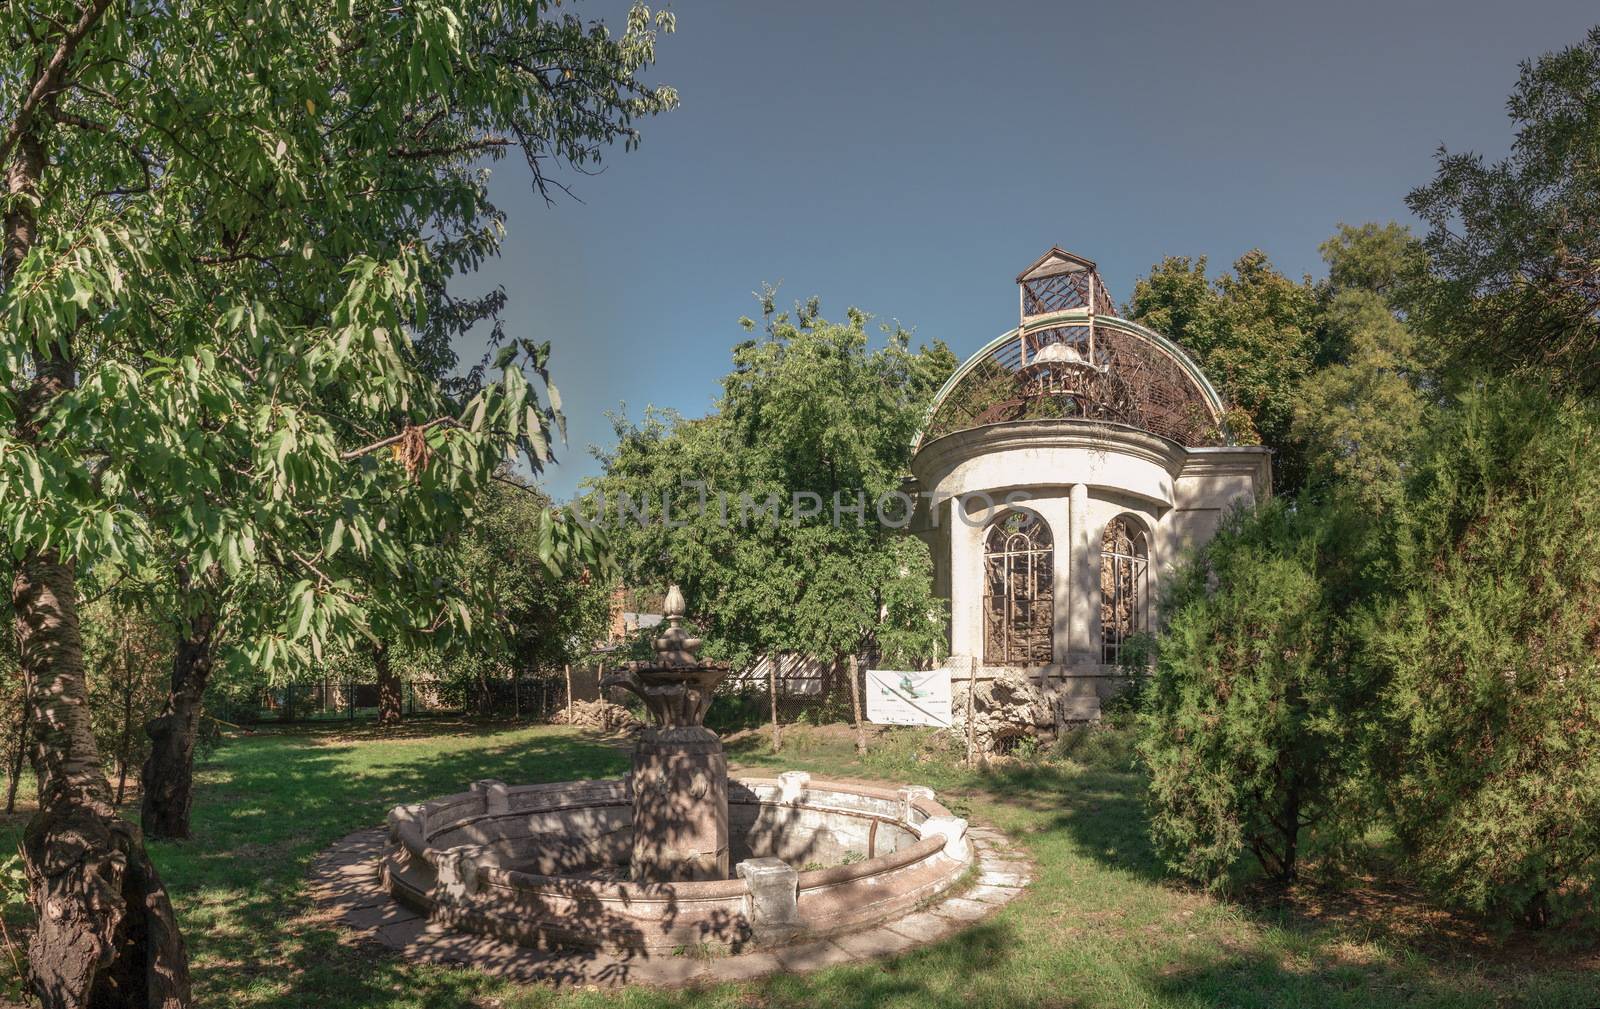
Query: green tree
point(815, 426)
point(1254, 333)
point(1359, 411)
point(1253, 715)
point(1386, 259)
point(1491, 758)
point(577, 91)
point(1358, 418)
point(220, 236)
point(1514, 245)
point(546, 582)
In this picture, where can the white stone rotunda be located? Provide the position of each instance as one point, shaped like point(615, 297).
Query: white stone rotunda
point(1062, 471)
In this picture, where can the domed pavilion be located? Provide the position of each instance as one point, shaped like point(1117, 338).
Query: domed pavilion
point(1063, 470)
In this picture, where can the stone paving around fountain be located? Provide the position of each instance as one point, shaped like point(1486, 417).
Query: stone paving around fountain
point(346, 882)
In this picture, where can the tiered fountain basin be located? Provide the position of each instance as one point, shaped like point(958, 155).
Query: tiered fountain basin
point(546, 866)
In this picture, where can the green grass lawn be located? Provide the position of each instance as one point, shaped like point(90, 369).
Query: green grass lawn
point(1101, 926)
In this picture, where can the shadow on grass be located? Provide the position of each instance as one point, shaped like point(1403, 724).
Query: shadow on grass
point(1099, 808)
point(919, 977)
point(268, 803)
point(1099, 805)
point(1245, 979)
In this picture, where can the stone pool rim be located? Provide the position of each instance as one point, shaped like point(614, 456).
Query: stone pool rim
point(345, 883)
point(462, 887)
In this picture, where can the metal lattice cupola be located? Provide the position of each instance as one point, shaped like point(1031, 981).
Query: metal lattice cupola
point(1071, 357)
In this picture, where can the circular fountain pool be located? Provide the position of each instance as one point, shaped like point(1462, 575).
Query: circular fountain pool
point(547, 866)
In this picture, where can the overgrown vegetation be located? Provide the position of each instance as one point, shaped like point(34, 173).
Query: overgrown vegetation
point(1252, 724)
point(1428, 661)
point(1490, 756)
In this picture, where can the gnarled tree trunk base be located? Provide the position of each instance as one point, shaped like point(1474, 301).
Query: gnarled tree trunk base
point(107, 936)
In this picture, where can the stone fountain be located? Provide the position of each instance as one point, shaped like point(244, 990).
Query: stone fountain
point(640, 867)
point(680, 774)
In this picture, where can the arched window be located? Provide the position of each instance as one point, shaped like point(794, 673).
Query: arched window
point(1124, 584)
point(1018, 615)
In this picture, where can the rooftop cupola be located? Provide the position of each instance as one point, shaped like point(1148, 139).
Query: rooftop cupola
point(1062, 282)
point(1071, 358)
point(1059, 297)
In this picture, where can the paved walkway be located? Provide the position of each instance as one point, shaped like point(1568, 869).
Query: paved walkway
point(344, 880)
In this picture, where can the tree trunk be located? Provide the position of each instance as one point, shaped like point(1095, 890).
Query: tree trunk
point(107, 935)
point(1287, 857)
point(391, 695)
point(772, 688)
point(106, 932)
point(168, 774)
point(855, 699)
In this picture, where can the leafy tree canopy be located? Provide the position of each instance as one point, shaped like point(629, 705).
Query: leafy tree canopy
point(540, 615)
point(788, 553)
point(1361, 408)
point(1253, 331)
point(224, 312)
point(245, 234)
point(1514, 245)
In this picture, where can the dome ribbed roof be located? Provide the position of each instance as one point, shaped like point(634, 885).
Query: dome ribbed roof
point(1072, 357)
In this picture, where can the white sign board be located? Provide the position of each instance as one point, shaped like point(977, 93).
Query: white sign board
point(914, 697)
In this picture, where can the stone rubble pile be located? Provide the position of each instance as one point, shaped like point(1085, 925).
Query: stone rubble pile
point(1010, 705)
point(598, 716)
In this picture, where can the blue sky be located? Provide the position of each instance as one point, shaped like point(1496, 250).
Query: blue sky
point(911, 158)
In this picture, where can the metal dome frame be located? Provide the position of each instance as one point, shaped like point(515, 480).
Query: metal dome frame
point(1079, 317)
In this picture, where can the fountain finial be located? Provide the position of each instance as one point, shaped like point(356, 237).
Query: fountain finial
point(674, 647)
point(675, 684)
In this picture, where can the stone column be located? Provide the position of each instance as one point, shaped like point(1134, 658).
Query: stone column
point(1084, 567)
point(680, 805)
point(1057, 511)
point(966, 583)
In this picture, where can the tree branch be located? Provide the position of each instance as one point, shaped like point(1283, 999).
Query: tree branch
point(439, 152)
point(382, 443)
point(49, 79)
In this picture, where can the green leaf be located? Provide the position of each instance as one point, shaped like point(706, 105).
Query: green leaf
point(547, 542)
point(304, 606)
point(35, 476)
